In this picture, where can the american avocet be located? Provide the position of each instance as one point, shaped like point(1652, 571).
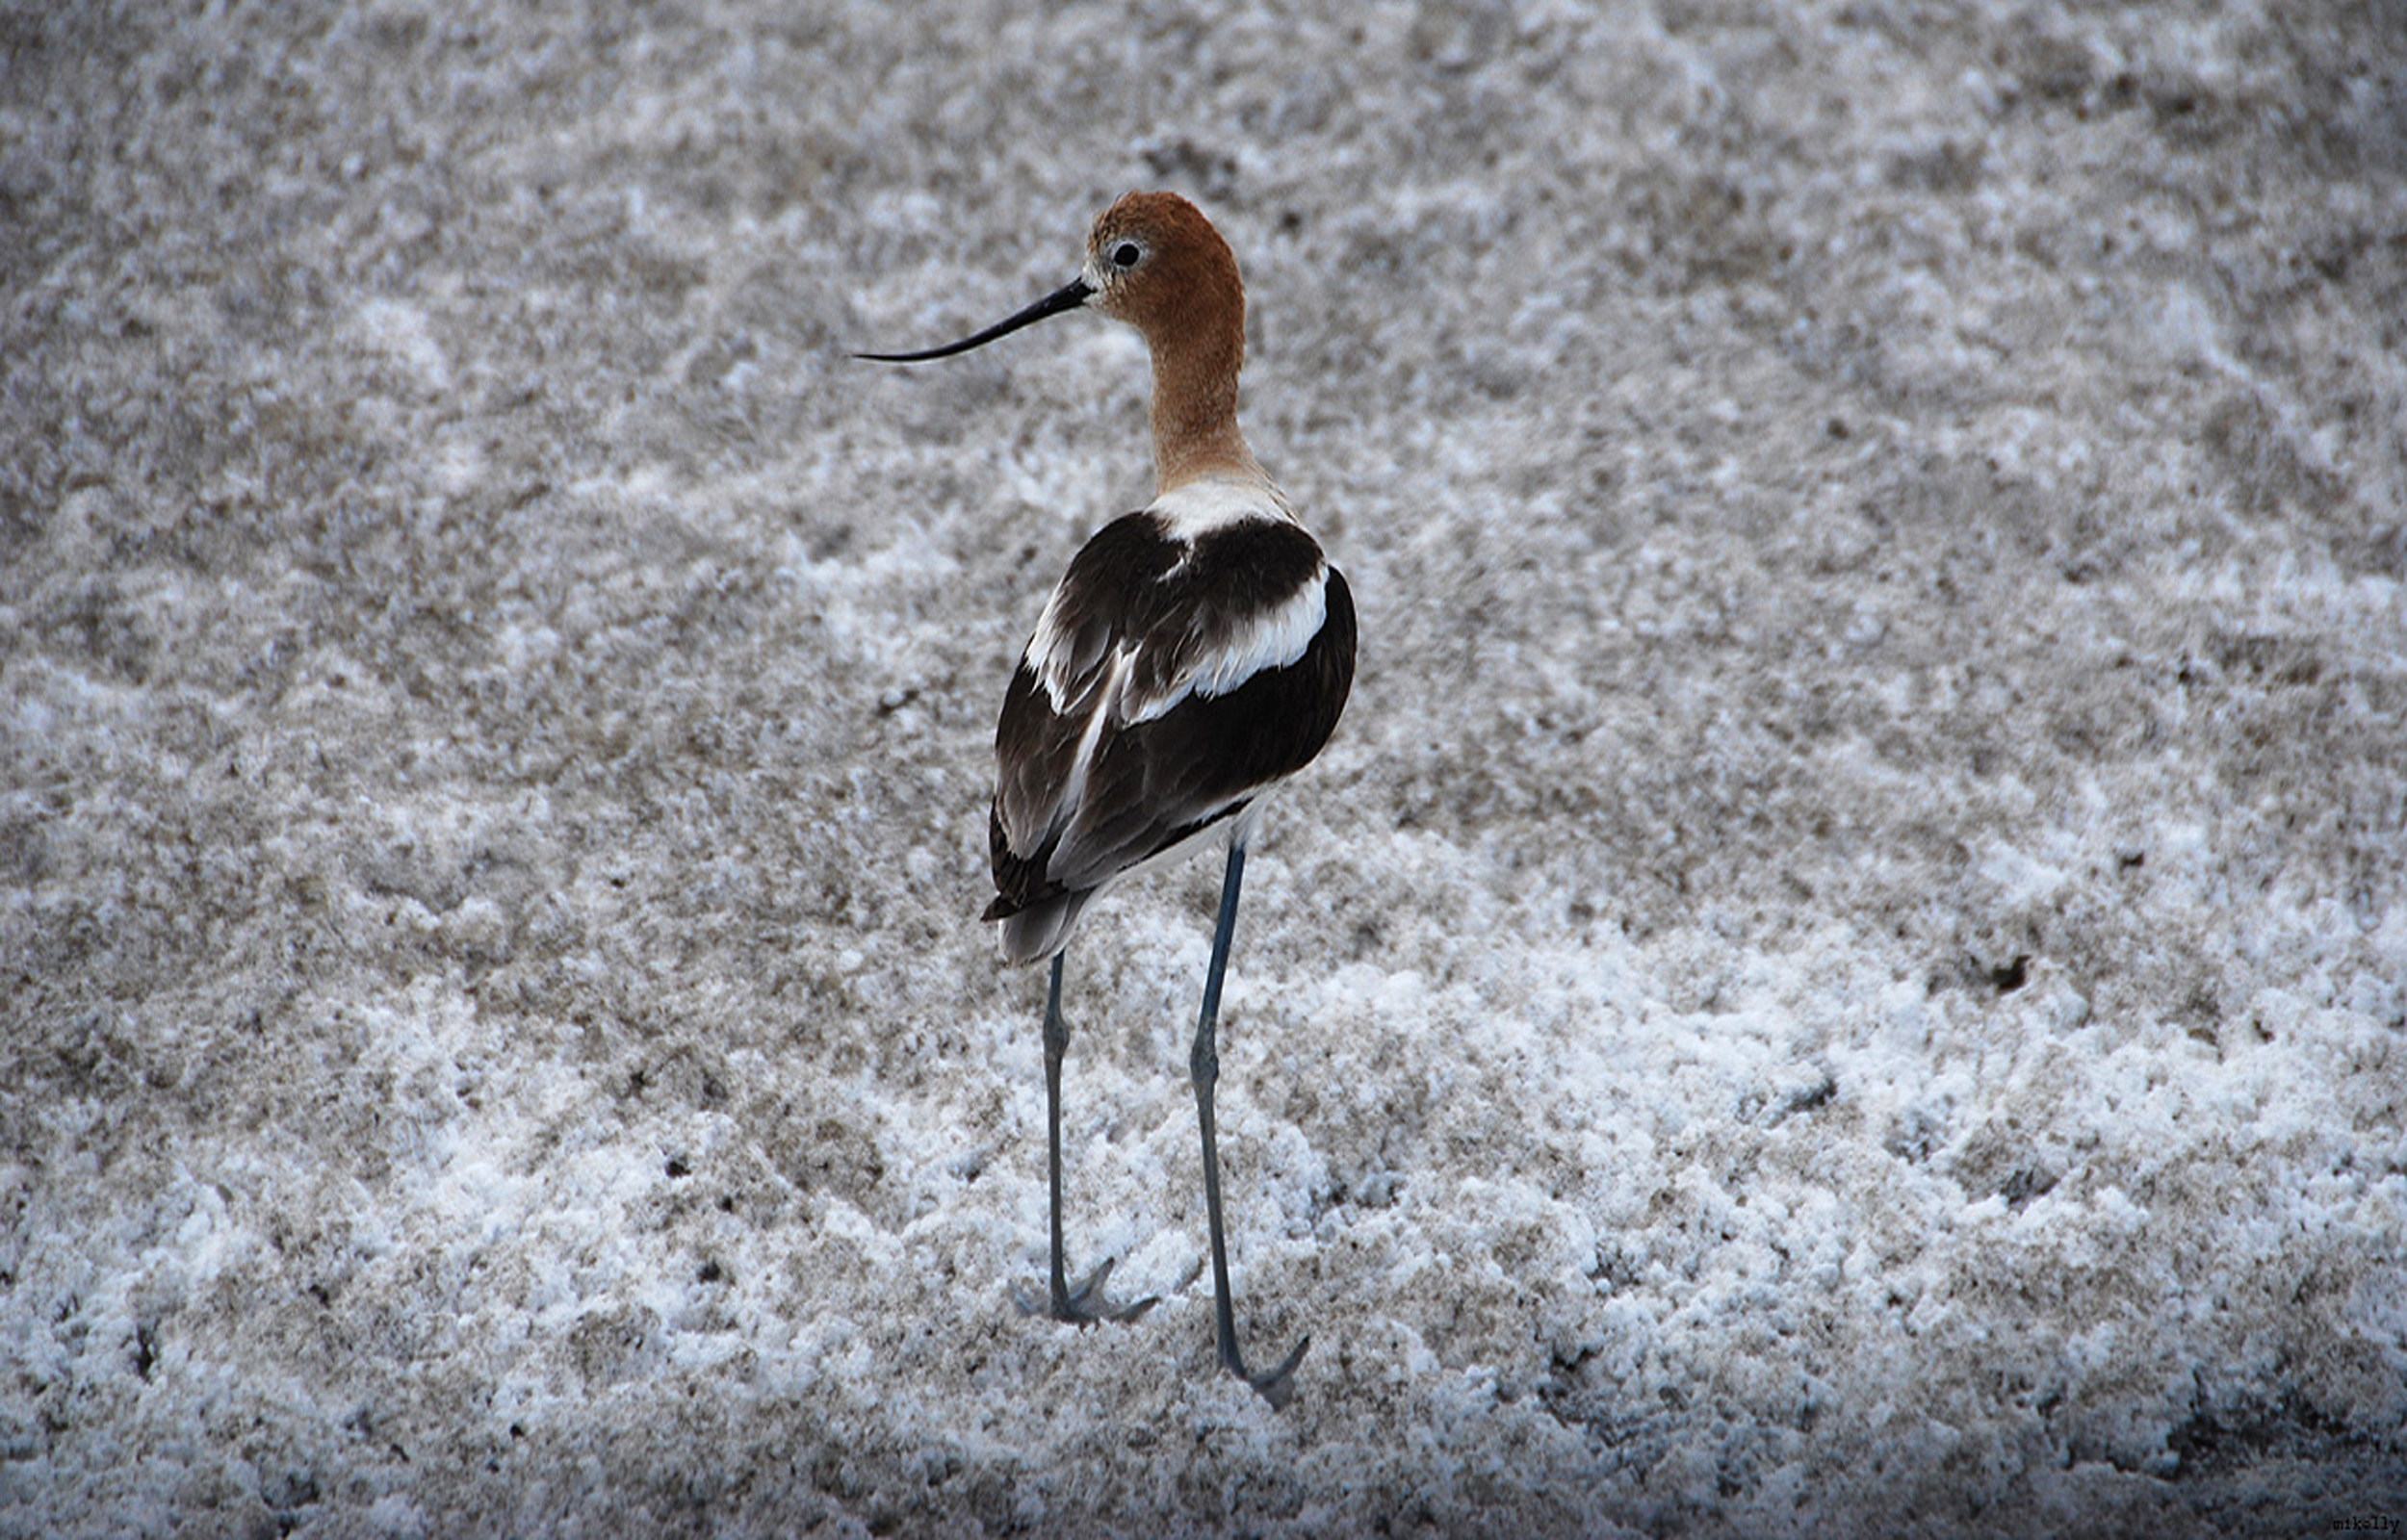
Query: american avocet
point(1195, 654)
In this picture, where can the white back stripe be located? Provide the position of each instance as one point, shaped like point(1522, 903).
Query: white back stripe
point(1275, 638)
point(1200, 507)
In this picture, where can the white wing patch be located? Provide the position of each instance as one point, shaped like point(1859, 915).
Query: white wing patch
point(1049, 652)
point(1275, 638)
point(1101, 709)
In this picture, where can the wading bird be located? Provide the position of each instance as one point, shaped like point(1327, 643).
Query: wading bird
point(1196, 653)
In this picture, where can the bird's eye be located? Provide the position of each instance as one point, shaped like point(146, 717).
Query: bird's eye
point(1125, 254)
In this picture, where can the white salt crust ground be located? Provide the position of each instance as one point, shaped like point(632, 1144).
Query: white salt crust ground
point(1843, 973)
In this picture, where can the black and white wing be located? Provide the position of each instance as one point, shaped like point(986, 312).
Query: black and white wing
point(1172, 677)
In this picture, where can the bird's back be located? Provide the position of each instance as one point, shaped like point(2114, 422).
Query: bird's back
point(1194, 655)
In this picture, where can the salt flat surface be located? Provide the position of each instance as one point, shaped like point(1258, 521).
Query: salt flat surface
point(1846, 972)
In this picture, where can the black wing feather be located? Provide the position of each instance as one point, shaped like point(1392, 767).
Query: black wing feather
point(1151, 784)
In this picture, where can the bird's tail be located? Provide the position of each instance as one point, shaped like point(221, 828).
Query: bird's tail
point(1042, 929)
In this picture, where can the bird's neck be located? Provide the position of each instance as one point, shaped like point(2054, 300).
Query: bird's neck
point(1195, 412)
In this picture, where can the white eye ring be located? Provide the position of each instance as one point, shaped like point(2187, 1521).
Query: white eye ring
point(1126, 254)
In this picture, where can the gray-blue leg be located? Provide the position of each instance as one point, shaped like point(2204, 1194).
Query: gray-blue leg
point(1204, 1068)
point(1086, 1304)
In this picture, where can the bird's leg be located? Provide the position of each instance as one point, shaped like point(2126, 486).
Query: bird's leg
point(1086, 1302)
point(1204, 1068)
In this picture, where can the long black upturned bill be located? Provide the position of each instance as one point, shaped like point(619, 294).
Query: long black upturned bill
point(1070, 297)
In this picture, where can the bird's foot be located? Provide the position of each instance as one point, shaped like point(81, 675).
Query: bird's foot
point(1277, 1387)
point(1085, 1305)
